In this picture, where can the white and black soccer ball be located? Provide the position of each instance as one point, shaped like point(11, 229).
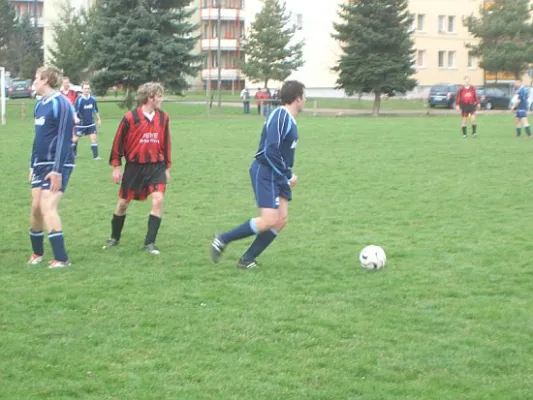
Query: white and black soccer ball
point(372, 257)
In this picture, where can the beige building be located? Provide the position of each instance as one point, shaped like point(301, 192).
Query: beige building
point(441, 39)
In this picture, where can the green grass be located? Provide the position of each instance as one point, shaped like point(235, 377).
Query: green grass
point(448, 318)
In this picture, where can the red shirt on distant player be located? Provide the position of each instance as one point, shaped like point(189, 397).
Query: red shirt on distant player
point(141, 140)
point(466, 95)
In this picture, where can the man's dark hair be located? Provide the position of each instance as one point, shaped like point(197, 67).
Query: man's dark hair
point(290, 91)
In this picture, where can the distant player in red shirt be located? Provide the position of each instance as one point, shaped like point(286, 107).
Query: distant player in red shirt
point(467, 102)
point(143, 139)
point(68, 92)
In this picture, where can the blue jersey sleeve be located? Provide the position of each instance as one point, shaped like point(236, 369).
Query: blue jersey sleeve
point(33, 152)
point(277, 127)
point(65, 122)
point(77, 104)
point(95, 106)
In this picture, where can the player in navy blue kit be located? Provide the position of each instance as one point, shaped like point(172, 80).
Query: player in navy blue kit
point(272, 179)
point(51, 165)
point(520, 107)
point(86, 108)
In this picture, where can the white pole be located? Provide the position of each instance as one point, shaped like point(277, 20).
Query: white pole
point(3, 95)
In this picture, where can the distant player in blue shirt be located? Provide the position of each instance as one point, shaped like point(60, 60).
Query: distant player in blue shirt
point(51, 164)
point(520, 106)
point(272, 179)
point(86, 109)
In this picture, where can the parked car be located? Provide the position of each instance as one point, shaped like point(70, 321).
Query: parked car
point(491, 98)
point(20, 89)
point(443, 95)
point(529, 99)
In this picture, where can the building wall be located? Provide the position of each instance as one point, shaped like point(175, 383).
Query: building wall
point(440, 41)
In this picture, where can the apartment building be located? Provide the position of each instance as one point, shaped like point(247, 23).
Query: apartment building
point(231, 16)
point(33, 8)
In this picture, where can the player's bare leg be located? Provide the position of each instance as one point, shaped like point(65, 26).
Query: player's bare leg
point(49, 209)
point(75, 140)
point(154, 222)
point(265, 237)
point(117, 223)
point(94, 146)
point(36, 228)
point(473, 122)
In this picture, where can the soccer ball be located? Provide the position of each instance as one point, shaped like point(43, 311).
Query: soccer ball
point(372, 257)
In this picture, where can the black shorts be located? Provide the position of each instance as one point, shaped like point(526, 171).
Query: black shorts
point(468, 109)
point(141, 180)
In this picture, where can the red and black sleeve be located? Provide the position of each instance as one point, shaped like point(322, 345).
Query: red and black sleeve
point(459, 97)
point(117, 151)
point(167, 143)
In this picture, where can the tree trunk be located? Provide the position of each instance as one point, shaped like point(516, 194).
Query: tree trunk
point(377, 104)
point(266, 83)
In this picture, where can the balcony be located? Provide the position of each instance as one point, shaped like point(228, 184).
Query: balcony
point(225, 44)
point(226, 74)
point(226, 14)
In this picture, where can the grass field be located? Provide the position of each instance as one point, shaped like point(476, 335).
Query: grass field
point(449, 317)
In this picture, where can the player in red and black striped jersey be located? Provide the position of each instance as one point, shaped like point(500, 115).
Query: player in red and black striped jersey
point(143, 140)
point(467, 102)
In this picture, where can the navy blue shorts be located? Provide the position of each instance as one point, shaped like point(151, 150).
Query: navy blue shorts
point(268, 187)
point(85, 130)
point(39, 173)
point(521, 113)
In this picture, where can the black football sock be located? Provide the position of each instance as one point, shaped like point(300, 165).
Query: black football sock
point(153, 227)
point(117, 223)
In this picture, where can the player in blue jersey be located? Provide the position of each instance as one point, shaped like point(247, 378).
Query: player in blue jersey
point(520, 107)
point(86, 109)
point(51, 165)
point(272, 179)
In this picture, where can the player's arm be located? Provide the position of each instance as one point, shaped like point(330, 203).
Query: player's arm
point(64, 135)
point(97, 114)
point(276, 130)
point(167, 144)
point(75, 111)
point(117, 150)
point(458, 97)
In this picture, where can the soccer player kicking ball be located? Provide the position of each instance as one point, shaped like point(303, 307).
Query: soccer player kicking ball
point(272, 179)
point(520, 107)
point(468, 103)
point(143, 139)
point(51, 165)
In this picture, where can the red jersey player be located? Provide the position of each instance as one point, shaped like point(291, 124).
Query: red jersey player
point(68, 92)
point(467, 102)
point(143, 139)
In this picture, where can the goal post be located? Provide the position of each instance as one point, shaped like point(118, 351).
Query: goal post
point(2, 95)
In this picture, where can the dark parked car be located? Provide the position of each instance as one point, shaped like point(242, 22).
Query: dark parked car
point(442, 95)
point(490, 98)
point(20, 89)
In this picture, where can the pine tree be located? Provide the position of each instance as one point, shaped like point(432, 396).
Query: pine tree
point(7, 27)
point(505, 36)
point(377, 48)
point(135, 41)
point(269, 52)
point(25, 52)
point(69, 52)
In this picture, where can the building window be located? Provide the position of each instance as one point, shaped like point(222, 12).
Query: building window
point(420, 58)
point(420, 22)
point(442, 59)
point(442, 24)
point(472, 62)
point(451, 59)
point(451, 24)
point(299, 21)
